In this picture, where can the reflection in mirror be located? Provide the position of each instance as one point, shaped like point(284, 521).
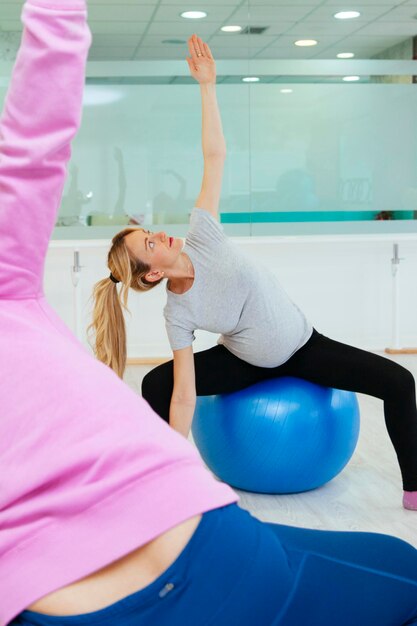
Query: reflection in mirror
point(318, 114)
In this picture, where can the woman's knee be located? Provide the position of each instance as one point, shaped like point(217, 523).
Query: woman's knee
point(148, 386)
point(401, 380)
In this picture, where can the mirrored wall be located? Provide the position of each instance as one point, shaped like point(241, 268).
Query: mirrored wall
point(316, 143)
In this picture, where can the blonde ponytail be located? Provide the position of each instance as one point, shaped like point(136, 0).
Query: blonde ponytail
point(109, 326)
point(108, 322)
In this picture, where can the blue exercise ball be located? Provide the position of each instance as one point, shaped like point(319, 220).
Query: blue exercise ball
point(283, 435)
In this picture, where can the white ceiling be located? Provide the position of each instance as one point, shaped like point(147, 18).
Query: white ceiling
point(137, 29)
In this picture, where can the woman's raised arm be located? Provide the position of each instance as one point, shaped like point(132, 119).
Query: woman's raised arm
point(41, 115)
point(203, 69)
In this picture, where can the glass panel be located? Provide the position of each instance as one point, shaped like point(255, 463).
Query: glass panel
point(307, 152)
point(332, 153)
point(138, 157)
point(313, 150)
point(333, 142)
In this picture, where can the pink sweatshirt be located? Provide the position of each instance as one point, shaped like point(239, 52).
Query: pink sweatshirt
point(88, 472)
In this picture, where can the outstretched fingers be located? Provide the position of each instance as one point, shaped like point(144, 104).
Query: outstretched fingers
point(192, 49)
point(198, 45)
point(198, 48)
point(200, 61)
point(207, 51)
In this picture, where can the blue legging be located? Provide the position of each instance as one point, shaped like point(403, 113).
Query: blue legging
point(237, 570)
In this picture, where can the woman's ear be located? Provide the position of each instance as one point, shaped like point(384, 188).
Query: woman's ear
point(154, 275)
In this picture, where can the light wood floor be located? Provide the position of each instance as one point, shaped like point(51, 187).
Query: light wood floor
point(365, 496)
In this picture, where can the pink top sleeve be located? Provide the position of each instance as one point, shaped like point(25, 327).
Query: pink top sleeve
point(41, 115)
point(88, 472)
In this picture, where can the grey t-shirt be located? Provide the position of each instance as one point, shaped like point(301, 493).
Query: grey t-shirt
point(235, 297)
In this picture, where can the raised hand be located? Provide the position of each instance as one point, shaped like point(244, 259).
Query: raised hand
point(201, 63)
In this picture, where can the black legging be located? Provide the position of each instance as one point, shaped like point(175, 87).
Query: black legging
point(322, 361)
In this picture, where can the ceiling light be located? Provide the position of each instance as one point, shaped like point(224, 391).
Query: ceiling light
point(194, 15)
point(286, 90)
point(231, 29)
point(306, 42)
point(346, 15)
point(345, 55)
point(351, 79)
point(251, 79)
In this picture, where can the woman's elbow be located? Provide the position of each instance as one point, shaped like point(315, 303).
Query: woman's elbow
point(184, 398)
point(217, 154)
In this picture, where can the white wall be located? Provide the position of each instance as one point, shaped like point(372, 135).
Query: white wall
point(344, 286)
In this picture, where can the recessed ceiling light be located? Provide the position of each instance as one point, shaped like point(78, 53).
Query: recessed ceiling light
point(194, 15)
point(231, 29)
point(286, 90)
point(345, 55)
point(306, 42)
point(351, 79)
point(346, 15)
point(251, 79)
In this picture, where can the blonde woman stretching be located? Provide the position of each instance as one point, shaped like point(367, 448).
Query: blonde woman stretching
point(212, 285)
